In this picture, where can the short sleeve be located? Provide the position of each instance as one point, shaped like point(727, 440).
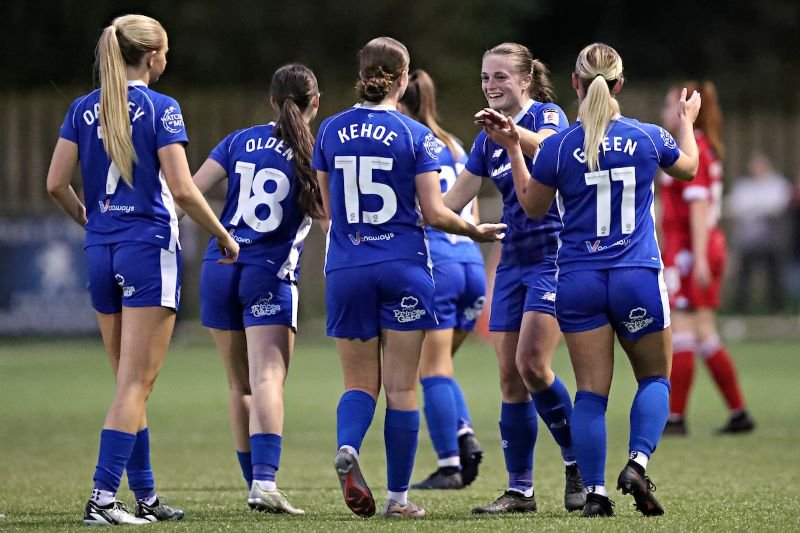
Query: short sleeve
point(550, 116)
point(69, 129)
point(544, 164)
point(476, 162)
point(170, 128)
point(668, 151)
point(318, 161)
point(428, 149)
point(221, 152)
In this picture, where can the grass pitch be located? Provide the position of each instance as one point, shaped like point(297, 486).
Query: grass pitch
point(54, 394)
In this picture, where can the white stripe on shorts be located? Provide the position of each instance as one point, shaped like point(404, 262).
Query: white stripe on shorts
point(662, 287)
point(295, 301)
point(169, 278)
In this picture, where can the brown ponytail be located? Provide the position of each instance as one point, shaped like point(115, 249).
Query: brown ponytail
point(293, 88)
point(709, 120)
point(420, 101)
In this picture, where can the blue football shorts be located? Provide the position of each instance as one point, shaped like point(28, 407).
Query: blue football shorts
point(459, 294)
point(234, 297)
point(397, 295)
point(519, 289)
point(133, 274)
point(633, 300)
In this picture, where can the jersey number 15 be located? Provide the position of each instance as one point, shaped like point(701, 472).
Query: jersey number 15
point(358, 180)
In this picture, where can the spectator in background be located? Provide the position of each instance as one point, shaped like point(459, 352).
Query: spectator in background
point(756, 204)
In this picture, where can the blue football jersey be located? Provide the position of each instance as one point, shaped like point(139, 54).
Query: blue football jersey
point(607, 214)
point(372, 154)
point(528, 240)
point(446, 247)
point(261, 211)
point(117, 212)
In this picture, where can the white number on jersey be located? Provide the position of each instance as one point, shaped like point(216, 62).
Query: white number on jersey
point(600, 179)
point(252, 182)
point(358, 180)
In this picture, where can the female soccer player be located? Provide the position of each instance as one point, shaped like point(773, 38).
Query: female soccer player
point(130, 142)
point(694, 260)
point(251, 308)
point(458, 272)
point(522, 321)
point(609, 265)
point(375, 166)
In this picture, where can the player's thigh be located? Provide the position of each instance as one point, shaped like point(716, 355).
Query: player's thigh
point(401, 352)
point(592, 355)
point(650, 355)
point(361, 364)
point(436, 358)
point(269, 349)
point(232, 347)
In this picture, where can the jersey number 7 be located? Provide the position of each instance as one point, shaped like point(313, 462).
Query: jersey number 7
point(358, 180)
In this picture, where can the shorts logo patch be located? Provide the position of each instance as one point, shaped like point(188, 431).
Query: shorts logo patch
point(408, 311)
point(474, 311)
point(264, 307)
point(639, 320)
point(127, 290)
point(549, 297)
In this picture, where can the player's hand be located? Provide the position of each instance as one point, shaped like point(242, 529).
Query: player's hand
point(501, 129)
point(689, 108)
point(229, 250)
point(488, 232)
point(701, 273)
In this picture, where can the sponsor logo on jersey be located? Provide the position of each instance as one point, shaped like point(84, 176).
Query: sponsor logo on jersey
point(501, 170)
point(172, 120)
point(669, 140)
point(239, 239)
point(551, 116)
point(265, 307)
point(127, 290)
point(358, 238)
point(638, 319)
point(108, 206)
point(474, 311)
point(432, 146)
point(595, 246)
point(408, 311)
point(497, 153)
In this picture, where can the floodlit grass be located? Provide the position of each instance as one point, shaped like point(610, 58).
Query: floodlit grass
point(53, 398)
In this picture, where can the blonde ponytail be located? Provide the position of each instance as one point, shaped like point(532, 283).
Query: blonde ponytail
point(599, 68)
point(114, 119)
point(123, 43)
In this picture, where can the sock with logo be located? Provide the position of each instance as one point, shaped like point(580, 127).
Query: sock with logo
point(353, 418)
point(440, 414)
point(400, 432)
point(266, 453)
point(649, 414)
point(683, 346)
point(518, 428)
point(115, 451)
point(140, 473)
point(720, 364)
point(246, 464)
point(588, 425)
point(555, 407)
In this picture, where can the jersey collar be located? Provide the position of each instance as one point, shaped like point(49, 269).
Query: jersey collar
point(136, 83)
point(525, 109)
point(375, 107)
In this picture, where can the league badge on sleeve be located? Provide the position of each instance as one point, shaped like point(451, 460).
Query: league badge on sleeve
point(172, 120)
point(432, 146)
point(669, 140)
point(551, 116)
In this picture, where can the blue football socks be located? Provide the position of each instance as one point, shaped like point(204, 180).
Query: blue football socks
point(555, 407)
point(518, 428)
point(400, 436)
point(441, 417)
point(353, 418)
point(266, 455)
point(589, 436)
point(649, 414)
point(246, 464)
point(115, 451)
point(140, 472)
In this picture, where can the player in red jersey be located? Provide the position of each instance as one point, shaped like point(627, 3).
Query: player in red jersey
point(694, 254)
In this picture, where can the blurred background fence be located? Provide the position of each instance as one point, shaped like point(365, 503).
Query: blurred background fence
point(222, 54)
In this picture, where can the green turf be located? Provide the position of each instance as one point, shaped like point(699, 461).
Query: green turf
point(53, 398)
